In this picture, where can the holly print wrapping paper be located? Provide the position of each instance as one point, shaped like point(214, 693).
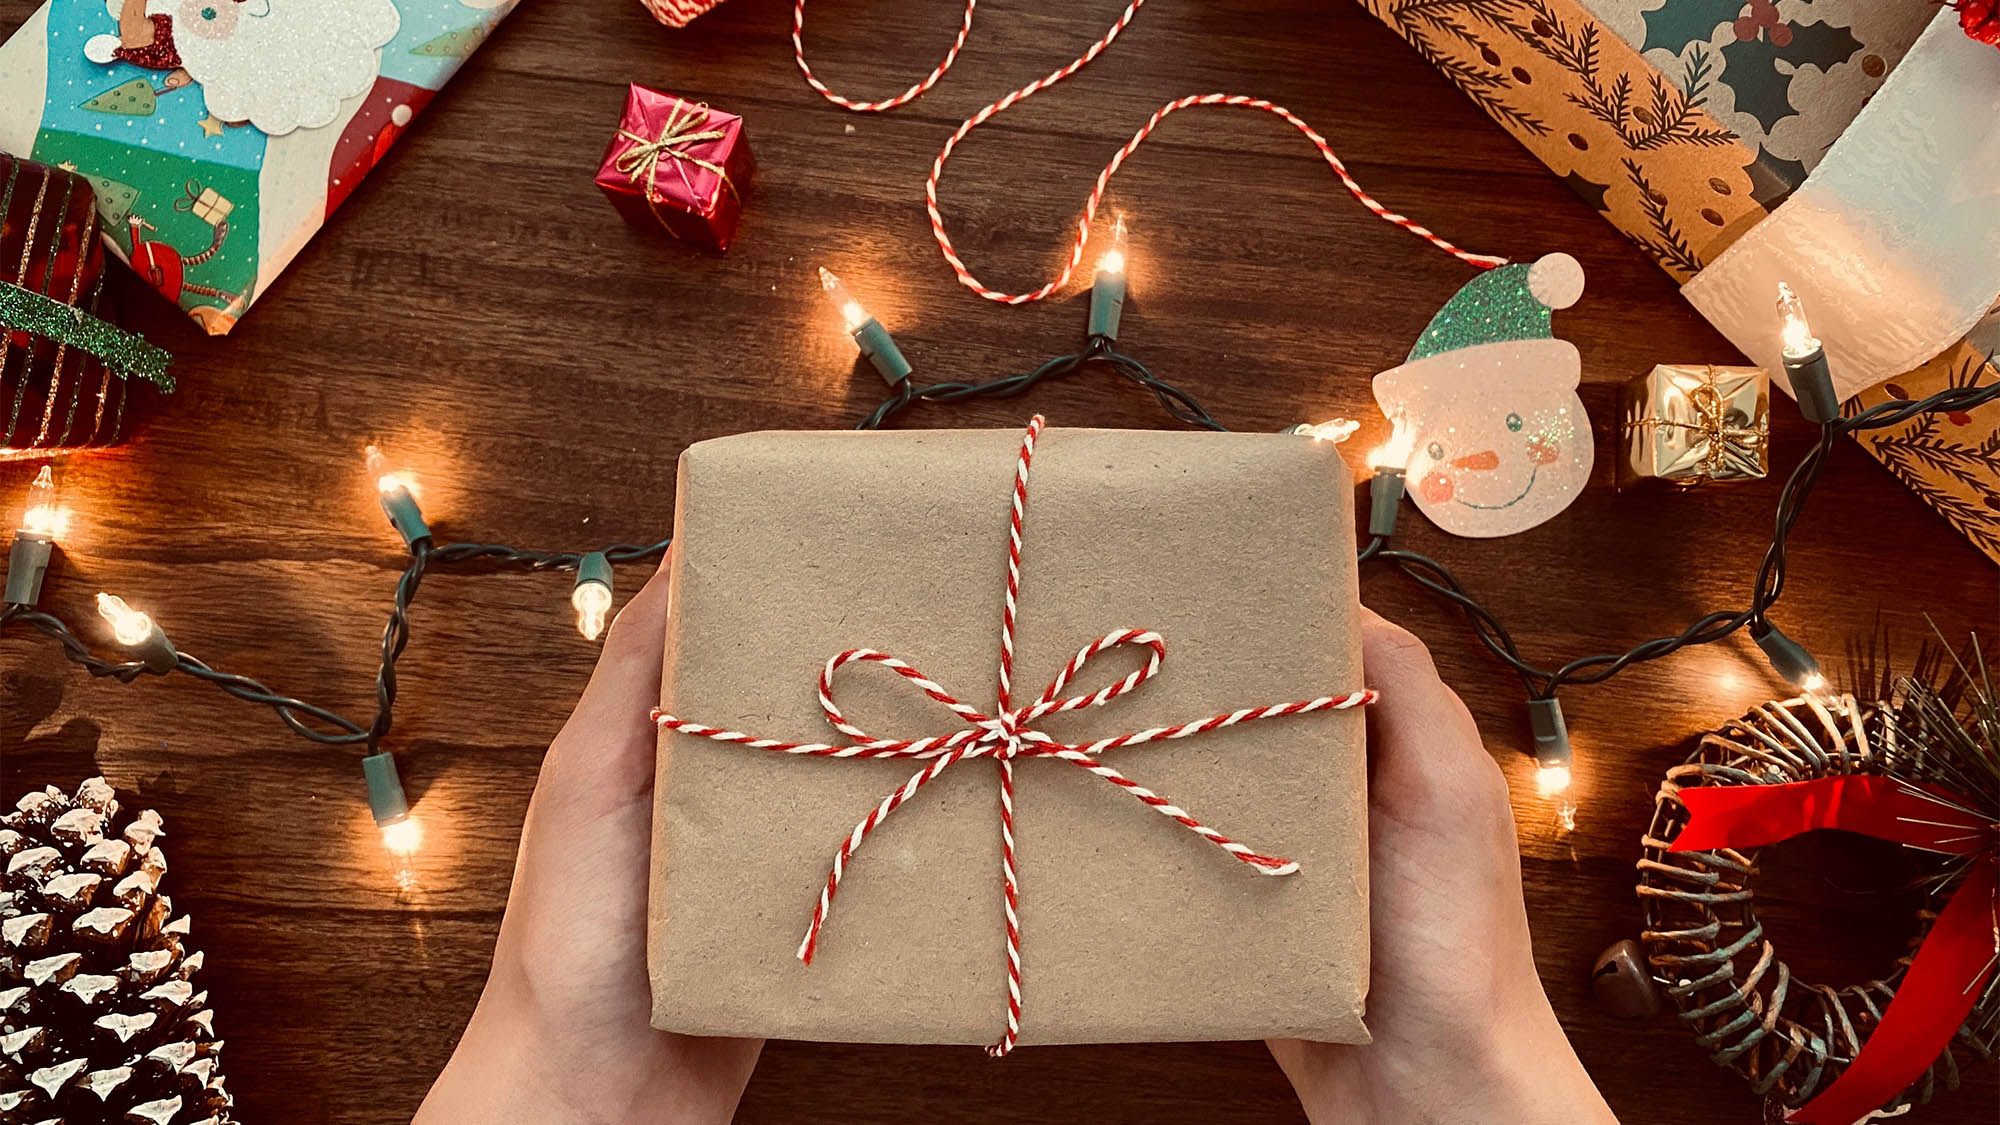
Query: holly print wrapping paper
point(220, 134)
point(1688, 122)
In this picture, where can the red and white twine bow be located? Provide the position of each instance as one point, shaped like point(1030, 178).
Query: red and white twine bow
point(1005, 736)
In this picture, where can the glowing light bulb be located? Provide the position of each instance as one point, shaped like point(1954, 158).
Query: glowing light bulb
point(44, 515)
point(1799, 341)
point(1552, 779)
point(592, 602)
point(389, 480)
point(870, 337)
point(403, 837)
point(1394, 454)
point(1814, 684)
point(1335, 431)
point(129, 627)
point(851, 310)
point(1112, 261)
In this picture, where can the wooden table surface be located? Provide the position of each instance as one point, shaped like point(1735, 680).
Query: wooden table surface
point(482, 312)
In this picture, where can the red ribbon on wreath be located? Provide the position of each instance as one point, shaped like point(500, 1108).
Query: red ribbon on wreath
point(1957, 957)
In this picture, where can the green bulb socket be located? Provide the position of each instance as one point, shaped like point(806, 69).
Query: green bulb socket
point(385, 790)
point(405, 516)
point(1550, 732)
point(881, 350)
point(1812, 384)
point(1385, 500)
point(1107, 304)
point(27, 562)
point(1788, 657)
point(593, 567)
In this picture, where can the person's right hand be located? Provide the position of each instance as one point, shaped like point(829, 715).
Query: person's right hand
point(1463, 1031)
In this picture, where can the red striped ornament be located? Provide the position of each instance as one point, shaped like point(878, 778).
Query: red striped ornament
point(958, 266)
point(1005, 736)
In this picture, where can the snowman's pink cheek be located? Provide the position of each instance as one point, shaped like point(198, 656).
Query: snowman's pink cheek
point(1436, 487)
point(1544, 451)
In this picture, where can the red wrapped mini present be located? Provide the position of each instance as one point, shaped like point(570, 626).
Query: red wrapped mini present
point(680, 164)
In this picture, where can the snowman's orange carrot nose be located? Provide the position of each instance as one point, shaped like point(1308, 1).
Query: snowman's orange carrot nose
point(1483, 462)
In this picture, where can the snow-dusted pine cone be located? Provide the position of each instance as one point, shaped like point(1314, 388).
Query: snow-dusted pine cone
point(100, 1020)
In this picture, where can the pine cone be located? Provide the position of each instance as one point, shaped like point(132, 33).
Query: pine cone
point(100, 1020)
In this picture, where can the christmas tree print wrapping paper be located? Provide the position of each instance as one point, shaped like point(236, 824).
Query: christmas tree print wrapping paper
point(1687, 123)
point(142, 98)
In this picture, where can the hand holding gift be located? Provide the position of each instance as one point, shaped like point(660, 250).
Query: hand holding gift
point(1462, 1029)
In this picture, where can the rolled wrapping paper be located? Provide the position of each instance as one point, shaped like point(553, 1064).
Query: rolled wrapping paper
point(1893, 242)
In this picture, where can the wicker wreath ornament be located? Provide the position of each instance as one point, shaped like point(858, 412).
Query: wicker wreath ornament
point(1793, 1039)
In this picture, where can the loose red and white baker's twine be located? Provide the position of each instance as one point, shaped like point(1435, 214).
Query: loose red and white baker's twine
point(1005, 736)
point(958, 266)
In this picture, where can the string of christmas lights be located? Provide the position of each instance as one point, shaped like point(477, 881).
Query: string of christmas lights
point(150, 653)
point(1805, 364)
point(1804, 360)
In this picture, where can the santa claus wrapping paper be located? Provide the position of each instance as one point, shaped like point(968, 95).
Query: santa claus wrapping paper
point(220, 134)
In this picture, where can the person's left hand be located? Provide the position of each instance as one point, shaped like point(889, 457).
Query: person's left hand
point(562, 1032)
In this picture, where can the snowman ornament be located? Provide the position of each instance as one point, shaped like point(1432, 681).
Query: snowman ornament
point(1498, 440)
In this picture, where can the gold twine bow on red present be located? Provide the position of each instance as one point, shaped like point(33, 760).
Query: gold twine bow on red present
point(681, 129)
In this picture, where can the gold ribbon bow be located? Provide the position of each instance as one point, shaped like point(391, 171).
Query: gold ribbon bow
point(682, 129)
point(1711, 427)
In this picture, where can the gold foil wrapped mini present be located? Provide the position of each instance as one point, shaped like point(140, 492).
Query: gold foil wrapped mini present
point(1692, 423)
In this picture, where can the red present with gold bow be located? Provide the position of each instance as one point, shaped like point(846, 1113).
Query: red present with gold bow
point(680, 165)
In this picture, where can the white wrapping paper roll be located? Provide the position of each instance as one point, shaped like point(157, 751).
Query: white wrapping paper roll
point(1893, 242)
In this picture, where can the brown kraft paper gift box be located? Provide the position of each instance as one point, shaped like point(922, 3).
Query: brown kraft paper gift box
point(793, 547)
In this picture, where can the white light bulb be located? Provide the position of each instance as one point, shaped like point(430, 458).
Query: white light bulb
point(388, 479)
point(43, 515)
point(1395, 453)
point(1554, 780)
point(1335, 431)
point(1814, 684)
point(1551, 780)
point(850, 309)
point(1799, 341)
point(592, 602)
point(403, 837)
point(1112, 261)
point(128, 626)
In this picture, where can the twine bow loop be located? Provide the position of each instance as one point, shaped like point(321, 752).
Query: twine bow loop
point(1007, 736)
point(1003, 736)
point(678, 134)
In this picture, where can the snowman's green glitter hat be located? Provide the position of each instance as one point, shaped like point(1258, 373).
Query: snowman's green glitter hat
point(1506, 303)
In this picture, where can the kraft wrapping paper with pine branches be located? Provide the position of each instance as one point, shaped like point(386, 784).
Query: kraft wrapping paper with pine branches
point(791, 547)
point(1686, 123)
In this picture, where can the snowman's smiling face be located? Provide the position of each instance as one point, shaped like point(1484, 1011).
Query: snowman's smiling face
point(1500, 441)
point(1492, 468)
